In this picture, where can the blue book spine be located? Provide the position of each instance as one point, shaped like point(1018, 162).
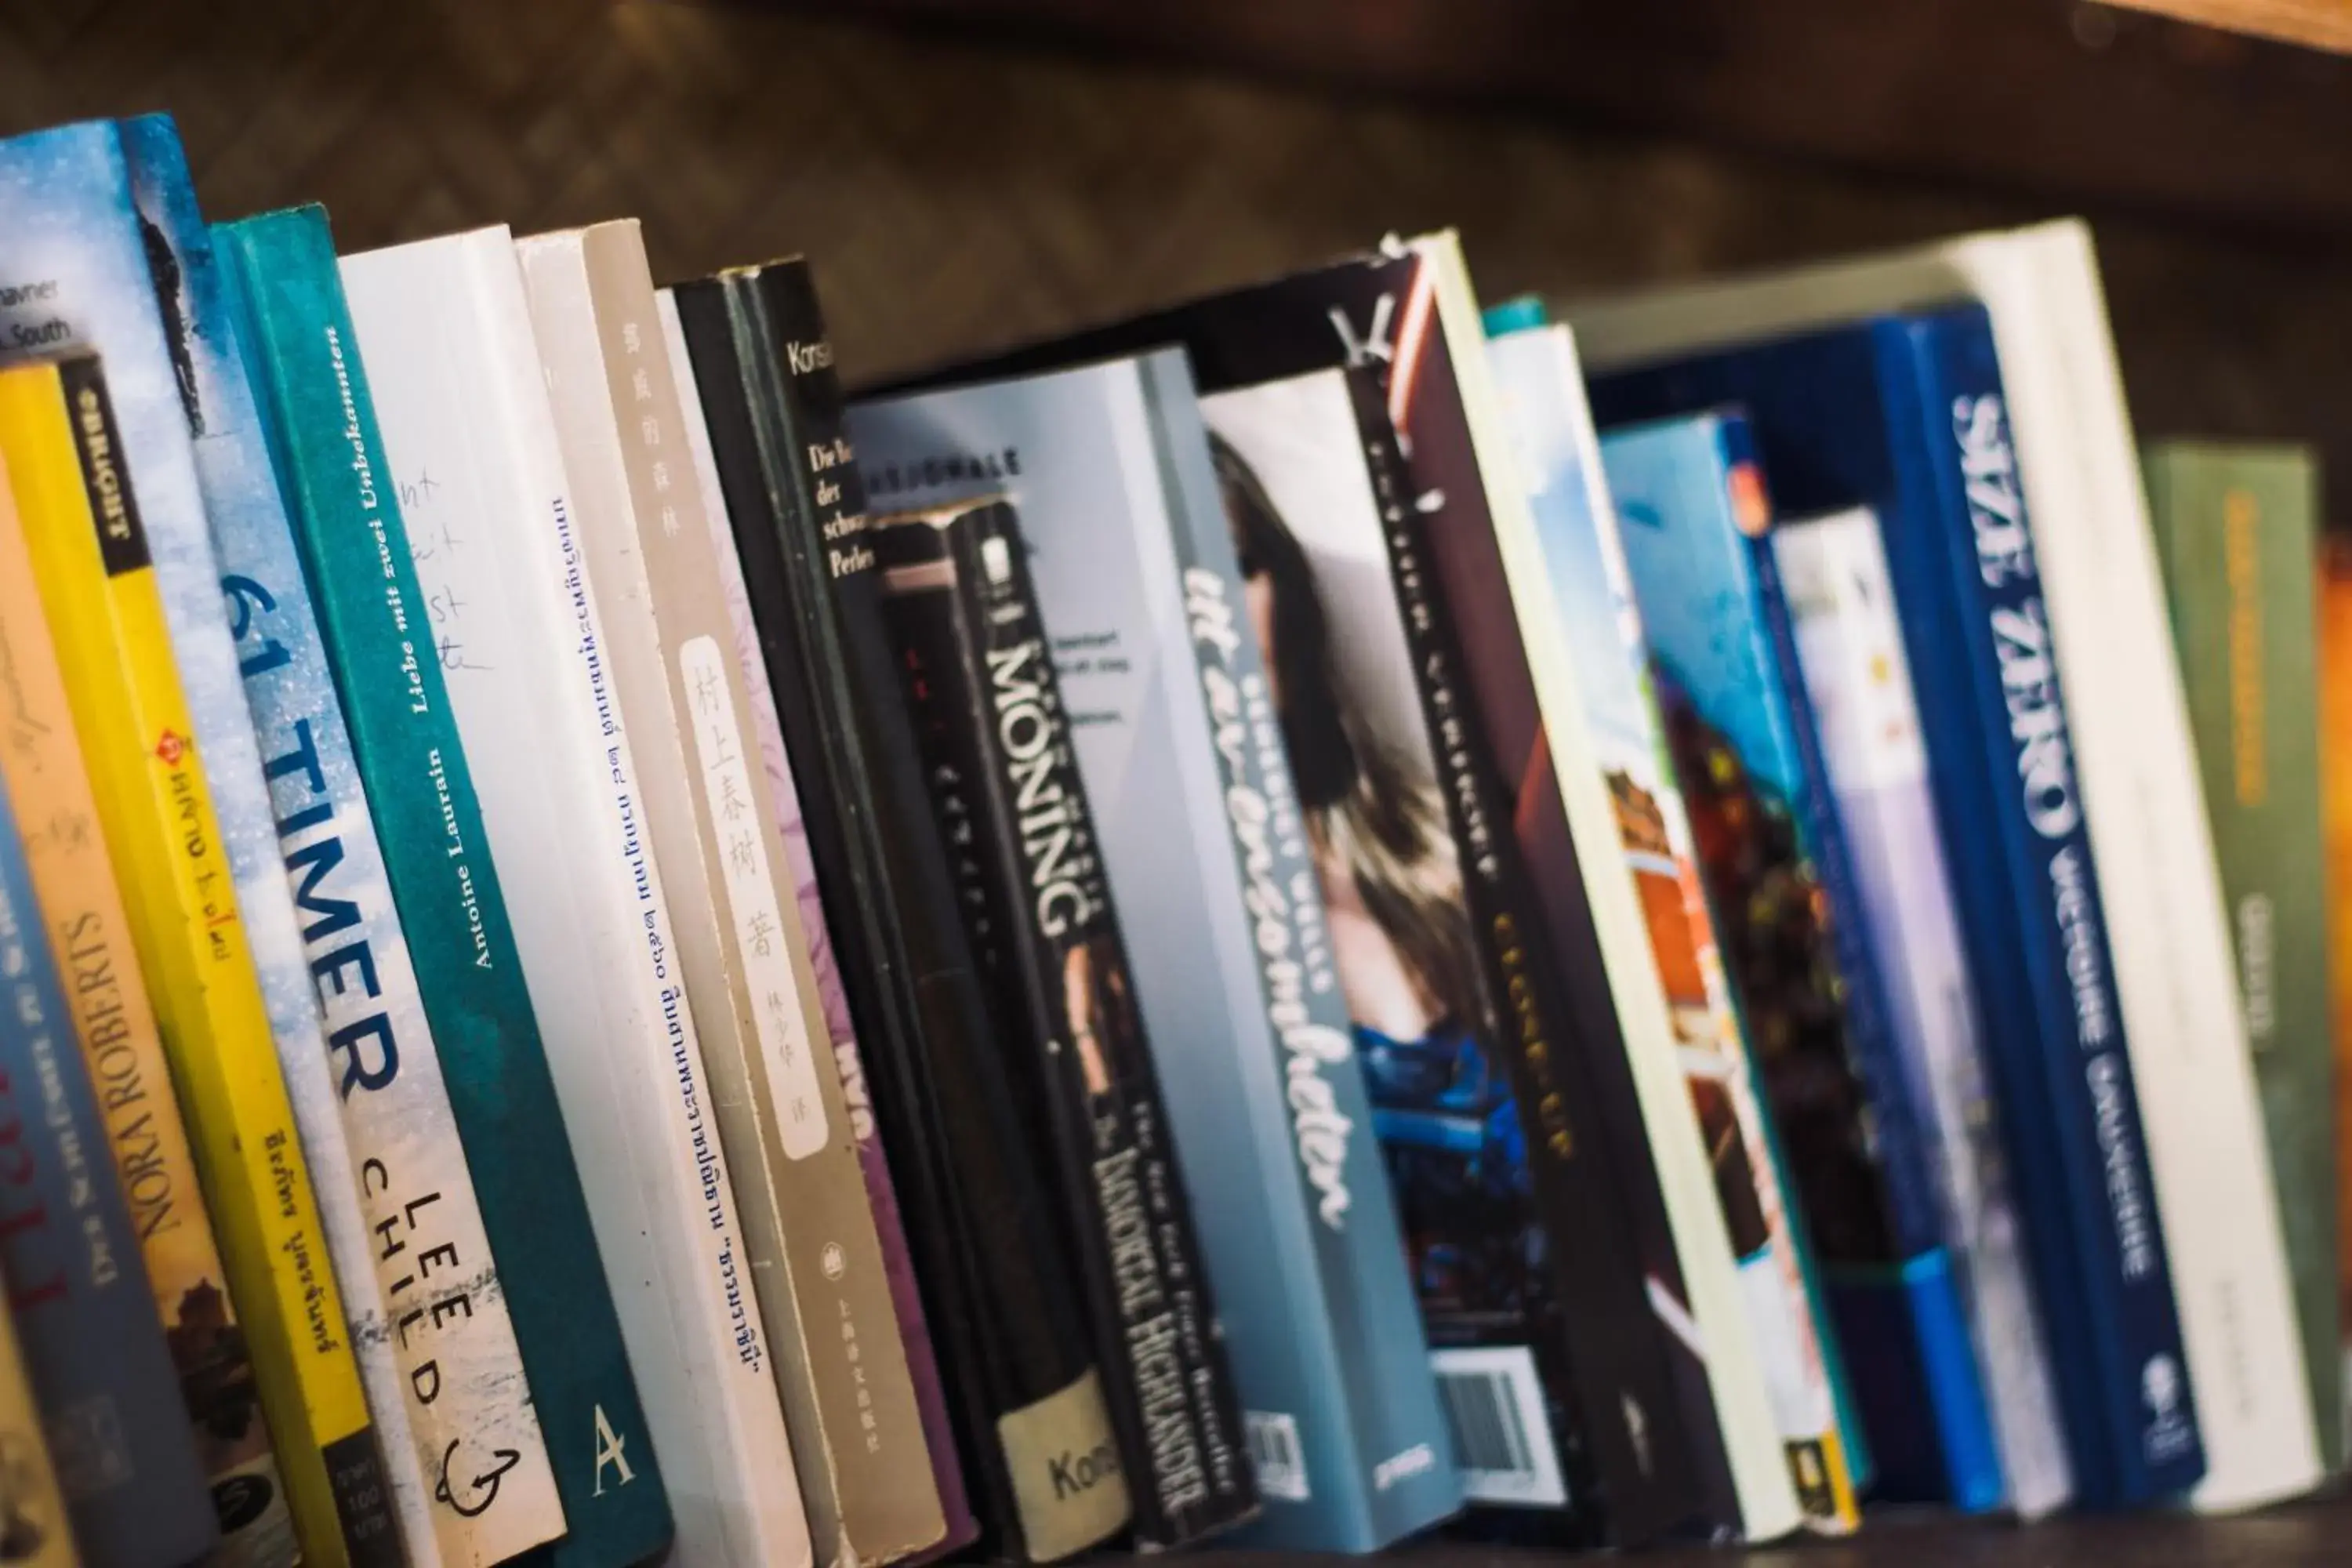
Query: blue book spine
point(109, 1393)
point(1977, 636)
point(1972, 1478)
point(297, 334)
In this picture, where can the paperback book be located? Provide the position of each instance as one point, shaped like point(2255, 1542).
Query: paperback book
point(304, 361)
point(1172, 720)
point(77, 1292)
point(243, 1004)
point(1613, 1157)
point(849, 1400)
point(881, 1192)
point(74, 885)
point(32, 1527)
point(428, 1321)
point(2091, 567)
point(1697, 520)
point(472, 452)
point(1037, 907)
point(1576, 526)
point(2236, 531)
point(1858, 684)
point(1871, 415)
point(1032, 1425)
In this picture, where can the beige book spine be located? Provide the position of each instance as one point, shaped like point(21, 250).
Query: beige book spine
point(849, 1400)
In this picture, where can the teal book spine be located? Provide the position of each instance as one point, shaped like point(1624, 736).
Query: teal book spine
point(2237, 532)
point(322, 433)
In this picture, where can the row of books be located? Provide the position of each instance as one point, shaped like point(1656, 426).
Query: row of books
point(1280, 922)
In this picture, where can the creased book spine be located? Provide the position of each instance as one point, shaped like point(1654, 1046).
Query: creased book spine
point(429, 1326)
point(472, 449)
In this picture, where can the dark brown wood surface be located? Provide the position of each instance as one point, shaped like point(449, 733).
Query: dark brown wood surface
point(959, 192)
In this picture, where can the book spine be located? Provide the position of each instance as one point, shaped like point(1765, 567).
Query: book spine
point(1947, 1359)
point(1157, 1335)
point(468, 1460)
point(2073, 1072)
point(35, 1526)
point(77, 1288)
point(943, 698)
point(881, 1192)
point(1625, 1453)
point(474, 453)
point(1859, 686)
point(98, 567)
point(74, 881)
point(1027, 1399)
point(2236, 530)
point(809, 1231)
point(429, 1327)
point(1390, 1455)
point(373, 622)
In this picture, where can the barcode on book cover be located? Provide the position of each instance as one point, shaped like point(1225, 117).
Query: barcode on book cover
point(1274, 1451)
point(1502, 1436)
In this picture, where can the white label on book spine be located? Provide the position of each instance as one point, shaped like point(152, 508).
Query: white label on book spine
point(760, 932)
point(1502, 1438)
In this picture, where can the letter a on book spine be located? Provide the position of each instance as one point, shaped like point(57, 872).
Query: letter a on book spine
point(374, 625)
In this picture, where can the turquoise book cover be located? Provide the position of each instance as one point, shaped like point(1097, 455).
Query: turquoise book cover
point(304, 361)
point(109, 1394)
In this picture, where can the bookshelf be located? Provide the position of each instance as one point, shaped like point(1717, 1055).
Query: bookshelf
point(968, 174)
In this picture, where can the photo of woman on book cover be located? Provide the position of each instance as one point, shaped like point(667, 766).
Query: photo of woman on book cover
point(1309, 542)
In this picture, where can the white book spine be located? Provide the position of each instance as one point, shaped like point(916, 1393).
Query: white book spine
point(2167, 924)
point(457, 375)
point(1851, 648)
point(1751, 1438)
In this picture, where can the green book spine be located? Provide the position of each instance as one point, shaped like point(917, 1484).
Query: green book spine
point(374, 622)
point(2235, 526)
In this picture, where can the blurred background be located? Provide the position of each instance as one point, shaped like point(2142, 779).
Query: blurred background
point(970, 171)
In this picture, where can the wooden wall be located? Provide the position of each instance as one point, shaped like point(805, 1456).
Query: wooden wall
point(956, 194)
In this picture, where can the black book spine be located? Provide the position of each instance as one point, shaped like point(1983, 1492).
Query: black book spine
point(1014, 814)
point(1595, 1334)
point(1025, 1397)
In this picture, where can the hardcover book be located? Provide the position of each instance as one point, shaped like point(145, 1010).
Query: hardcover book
point(32, 1527)
point(2073, 464)
point(470, 441)
point(428, 1321)
point(1576, 527)
point(809, 1232)
point(1032, 1425)
point(1202, 842)
point(108, 1393)
point(1871, 415)
point(1773, 859)
point(1613, 1157)
point(2236, 531)
point(905, 1298)
point(1037, 906)
point(305, 365)
point(74, 883)
point(1858, 684)
point(248, 1006)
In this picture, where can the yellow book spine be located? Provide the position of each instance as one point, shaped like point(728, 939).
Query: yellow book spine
point(32, 1528)
point(74, 883)
point(91, 564)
